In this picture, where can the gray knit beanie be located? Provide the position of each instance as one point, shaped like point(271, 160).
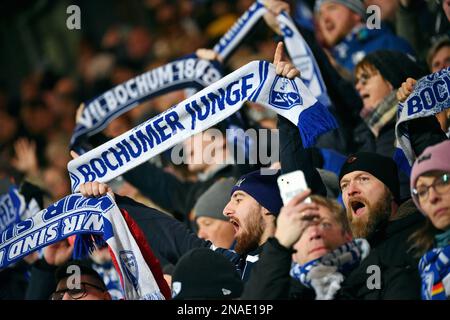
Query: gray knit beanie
point(212, 202)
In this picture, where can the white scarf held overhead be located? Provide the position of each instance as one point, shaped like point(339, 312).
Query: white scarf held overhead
point(297, 48)
point(431, 95)
point(257, 81)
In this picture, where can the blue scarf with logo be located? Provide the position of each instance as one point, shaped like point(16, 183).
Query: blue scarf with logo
point(257, 82)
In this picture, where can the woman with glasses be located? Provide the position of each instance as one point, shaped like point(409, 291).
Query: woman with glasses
point(430, 189)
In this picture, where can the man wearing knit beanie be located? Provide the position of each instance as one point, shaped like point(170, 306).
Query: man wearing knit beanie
point(212, 224)
point(255, 202)
point(370, 191)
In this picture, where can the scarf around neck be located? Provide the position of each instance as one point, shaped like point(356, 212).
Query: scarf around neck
point(326, 273)
point(383, 114)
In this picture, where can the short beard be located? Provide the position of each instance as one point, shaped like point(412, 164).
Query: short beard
point(376, 215)
point(249, 240)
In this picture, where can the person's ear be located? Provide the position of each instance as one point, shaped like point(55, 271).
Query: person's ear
point(107, 295)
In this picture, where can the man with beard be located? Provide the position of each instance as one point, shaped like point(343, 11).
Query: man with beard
point(370, 192)
point(255, 202)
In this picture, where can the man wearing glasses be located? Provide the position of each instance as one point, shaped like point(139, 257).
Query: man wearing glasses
point(76, 281)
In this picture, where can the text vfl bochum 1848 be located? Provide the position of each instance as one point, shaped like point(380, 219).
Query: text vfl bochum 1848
point(284, 94)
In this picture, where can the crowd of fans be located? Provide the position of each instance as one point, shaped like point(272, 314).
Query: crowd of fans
point(365, 211)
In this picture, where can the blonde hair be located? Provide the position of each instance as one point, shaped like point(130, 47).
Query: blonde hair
point(336, 209)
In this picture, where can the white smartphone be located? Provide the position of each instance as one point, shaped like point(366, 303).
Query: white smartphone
point(291, 184)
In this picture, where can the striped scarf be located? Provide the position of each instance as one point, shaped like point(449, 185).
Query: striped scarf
point(326, 273)
point(383, 114)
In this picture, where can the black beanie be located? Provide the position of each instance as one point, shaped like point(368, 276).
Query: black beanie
point(381, 167)
point(394, 66)
point(205, 274)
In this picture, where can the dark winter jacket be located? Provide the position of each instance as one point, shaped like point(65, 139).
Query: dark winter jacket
point(398, 276)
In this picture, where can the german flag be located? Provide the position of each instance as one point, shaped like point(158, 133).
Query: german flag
point(437, 289)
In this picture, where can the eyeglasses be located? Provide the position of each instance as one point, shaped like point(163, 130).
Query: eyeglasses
point(76, 293)
point(441, 185)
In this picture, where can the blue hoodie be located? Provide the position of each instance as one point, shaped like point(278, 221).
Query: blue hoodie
point(361, 41)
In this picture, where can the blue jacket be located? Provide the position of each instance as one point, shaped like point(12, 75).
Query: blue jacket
point(362, 41)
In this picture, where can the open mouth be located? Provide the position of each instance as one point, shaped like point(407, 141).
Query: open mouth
point(235, 225)
point(358, 207)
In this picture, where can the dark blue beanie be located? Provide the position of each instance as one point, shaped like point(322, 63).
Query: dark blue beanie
point(262, 188)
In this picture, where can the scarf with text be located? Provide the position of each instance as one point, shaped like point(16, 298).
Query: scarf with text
point(434, 268)
point(94, 221)
point(431, 95)
point(186, 72)
point(326, 273)
point(257, 82)
point(297, 48)
point(14, 208)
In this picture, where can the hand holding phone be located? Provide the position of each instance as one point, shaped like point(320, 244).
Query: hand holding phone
point(291, 184)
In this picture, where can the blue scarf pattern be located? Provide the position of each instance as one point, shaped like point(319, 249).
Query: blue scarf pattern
point(299, 51)
point(431, 95)
point(71, 215)
point(434, 268)
point(14, 208)
point(257, 82)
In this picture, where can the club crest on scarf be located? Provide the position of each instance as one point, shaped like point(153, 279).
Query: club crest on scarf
point(284, 94)
point(130, 267)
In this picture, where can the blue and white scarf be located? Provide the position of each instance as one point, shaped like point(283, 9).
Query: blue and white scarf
point(76, 215)
point(186, 72)
point(296, 46)
point(257, 82)
point(326, 273)
point(14, 208)
point(434, 268)
point(431, 95)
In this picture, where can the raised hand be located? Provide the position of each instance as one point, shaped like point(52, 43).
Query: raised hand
point(406, 89)
point(25, 159)
point(58, 253)
point(284, 68)
point(274, 8)
point(95, 189)
point(208, 54)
